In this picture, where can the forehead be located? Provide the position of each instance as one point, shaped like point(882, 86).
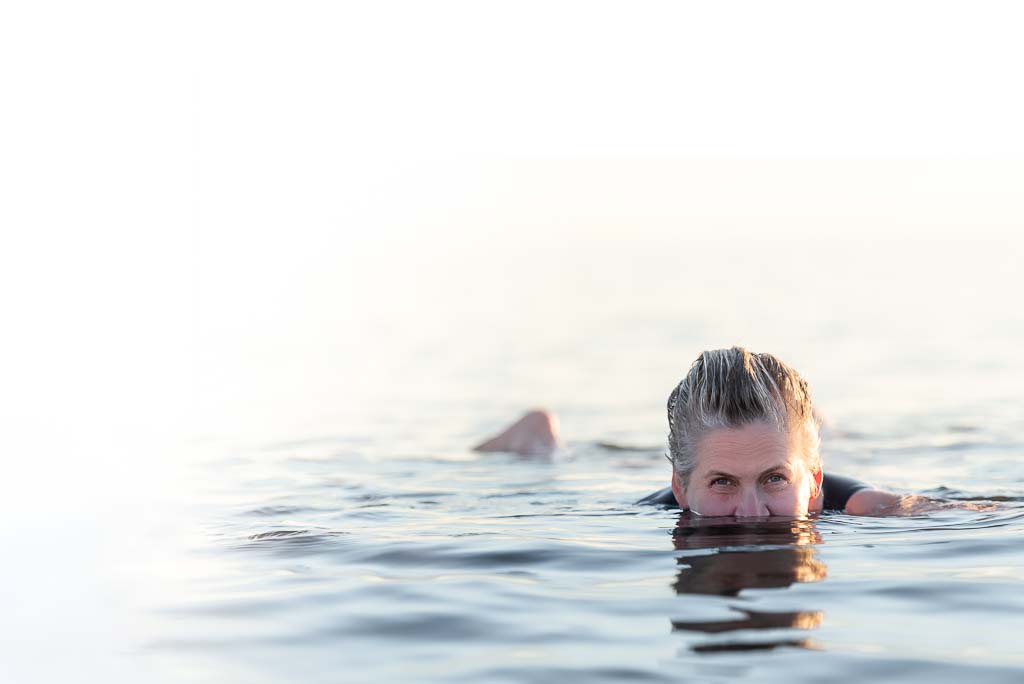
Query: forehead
point(750, 448)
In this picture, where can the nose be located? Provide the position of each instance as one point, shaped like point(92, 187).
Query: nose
point(750, 504)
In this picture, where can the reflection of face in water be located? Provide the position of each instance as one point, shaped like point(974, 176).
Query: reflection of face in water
point(746, 554)
point(730, 570)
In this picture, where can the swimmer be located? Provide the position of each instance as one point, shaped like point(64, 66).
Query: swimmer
point(743, 441)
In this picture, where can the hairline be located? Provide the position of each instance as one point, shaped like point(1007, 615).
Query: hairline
point(705, 405)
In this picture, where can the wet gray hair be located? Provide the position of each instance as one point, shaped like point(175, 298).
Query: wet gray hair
point(730, 388)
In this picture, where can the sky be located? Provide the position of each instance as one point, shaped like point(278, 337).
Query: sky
point(186, 183)
point(192, 191)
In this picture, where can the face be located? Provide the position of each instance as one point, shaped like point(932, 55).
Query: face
point(754, 470)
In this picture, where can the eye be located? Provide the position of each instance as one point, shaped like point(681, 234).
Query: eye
point(775, 478)
point(721, 481)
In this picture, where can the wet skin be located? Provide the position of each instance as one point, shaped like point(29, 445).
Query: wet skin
point(751, 471)
point(754, 470)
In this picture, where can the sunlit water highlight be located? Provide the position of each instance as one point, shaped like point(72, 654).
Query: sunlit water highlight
point(495, 568)
point(372, 545)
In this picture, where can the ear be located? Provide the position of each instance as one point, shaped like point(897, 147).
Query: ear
point(819, 477)
point(678, 490)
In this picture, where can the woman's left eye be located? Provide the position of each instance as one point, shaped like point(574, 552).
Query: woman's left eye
point(776, 478)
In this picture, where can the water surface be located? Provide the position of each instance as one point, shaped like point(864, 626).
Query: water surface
point(368, 543)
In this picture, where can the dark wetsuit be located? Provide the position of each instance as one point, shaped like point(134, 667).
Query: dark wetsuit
point(837, 490)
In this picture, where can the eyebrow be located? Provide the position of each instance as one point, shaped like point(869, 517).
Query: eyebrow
point(719, 473)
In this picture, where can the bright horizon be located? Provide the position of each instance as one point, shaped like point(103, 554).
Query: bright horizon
point(219, 215)
point(162, 161)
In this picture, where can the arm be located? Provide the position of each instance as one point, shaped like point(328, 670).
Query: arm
point(875, 502)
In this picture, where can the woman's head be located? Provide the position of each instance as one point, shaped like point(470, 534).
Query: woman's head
point(743, 437)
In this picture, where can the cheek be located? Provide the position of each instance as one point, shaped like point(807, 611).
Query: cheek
point(707, 504)
point(802, 489)
point(790, 505)
point(790, 501)
point(786, 493)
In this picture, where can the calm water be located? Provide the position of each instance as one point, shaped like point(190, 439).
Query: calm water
point(366, 543)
